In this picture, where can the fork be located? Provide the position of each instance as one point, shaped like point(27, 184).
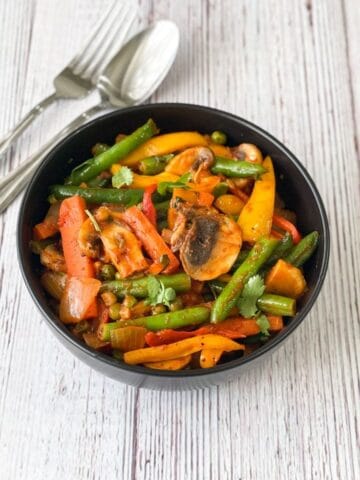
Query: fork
point(79, 77)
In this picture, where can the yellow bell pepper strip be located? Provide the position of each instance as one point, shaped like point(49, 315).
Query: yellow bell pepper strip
point(210, 357)
point(285, 279)
point(180, 349)
point(220, 150)
point(229, 204)
point(175, 364)
point(255, 219)
point(164, 144)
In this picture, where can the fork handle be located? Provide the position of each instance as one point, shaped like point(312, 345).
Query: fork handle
point(12, 184)
point(25, 122)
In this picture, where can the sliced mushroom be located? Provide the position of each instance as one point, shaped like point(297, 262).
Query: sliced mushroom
point(89, 240)
point(195, 160)
point(113, 242)
point(123, 249)
point(249, 153)
point(53, 259)
point(209, 242)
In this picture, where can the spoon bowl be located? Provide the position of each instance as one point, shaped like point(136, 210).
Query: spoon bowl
point(140, 66)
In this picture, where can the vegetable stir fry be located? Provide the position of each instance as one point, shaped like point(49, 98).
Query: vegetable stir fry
point(172, 251)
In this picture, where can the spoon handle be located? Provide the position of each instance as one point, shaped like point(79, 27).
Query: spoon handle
point(12, 184)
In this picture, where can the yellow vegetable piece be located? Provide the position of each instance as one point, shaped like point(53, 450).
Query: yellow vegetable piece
point(220, 150)
point(210, 357)
point(175, 364)
point(128, 338)
point(255, 219)
point(180, 349)
point(164, 144)
point(143, 181)
point(285, 279)
point(229, 204)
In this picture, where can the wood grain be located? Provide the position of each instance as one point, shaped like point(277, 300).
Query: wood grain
point(291, 66)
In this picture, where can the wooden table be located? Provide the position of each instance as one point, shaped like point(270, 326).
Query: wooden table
point(292, 67)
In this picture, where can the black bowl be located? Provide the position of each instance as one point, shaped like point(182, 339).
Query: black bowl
point(293, 183)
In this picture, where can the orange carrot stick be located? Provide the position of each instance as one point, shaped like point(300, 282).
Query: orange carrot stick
point(150, 238)
point(71, 217)
point(79, 299)
point(49, 226)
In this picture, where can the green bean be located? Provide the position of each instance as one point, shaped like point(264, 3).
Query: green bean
point(96, 165)
point(283, 248)
point(267, 303)
point(303, 250)
point(178, 319)
point(238, 169)
point(180, 282)
point(277, 305)
point(99, 195)
point(155, 164)
point(258, 255)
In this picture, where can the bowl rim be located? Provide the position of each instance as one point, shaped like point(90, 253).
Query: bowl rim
point(54, 322)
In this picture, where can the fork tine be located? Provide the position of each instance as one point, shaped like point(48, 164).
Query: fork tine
point(112, 36)
point(104, 19)
point(97, 39)
point(117, 38)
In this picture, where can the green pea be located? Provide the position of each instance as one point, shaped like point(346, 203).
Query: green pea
point(99, 148)
point(114, 311)
point(108, 272)
point(219, 137)
point(129, 301)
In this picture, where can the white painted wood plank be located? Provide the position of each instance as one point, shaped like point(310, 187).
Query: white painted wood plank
point(292, 67)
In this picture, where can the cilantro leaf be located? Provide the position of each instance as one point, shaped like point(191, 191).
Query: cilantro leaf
point(164, 187)
point(158, 294)
point(153, 287)
point(252, 290)
point(123, 176)
point(264, 324)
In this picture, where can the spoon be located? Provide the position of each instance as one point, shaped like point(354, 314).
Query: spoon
point(129, 79)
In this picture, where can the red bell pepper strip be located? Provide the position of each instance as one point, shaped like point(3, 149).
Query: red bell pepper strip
point(232, 328)
point(284, 224)
point(147, 204)
point(150, 238)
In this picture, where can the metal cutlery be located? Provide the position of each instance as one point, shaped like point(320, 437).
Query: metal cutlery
point(129, 79)
point(79, 77)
